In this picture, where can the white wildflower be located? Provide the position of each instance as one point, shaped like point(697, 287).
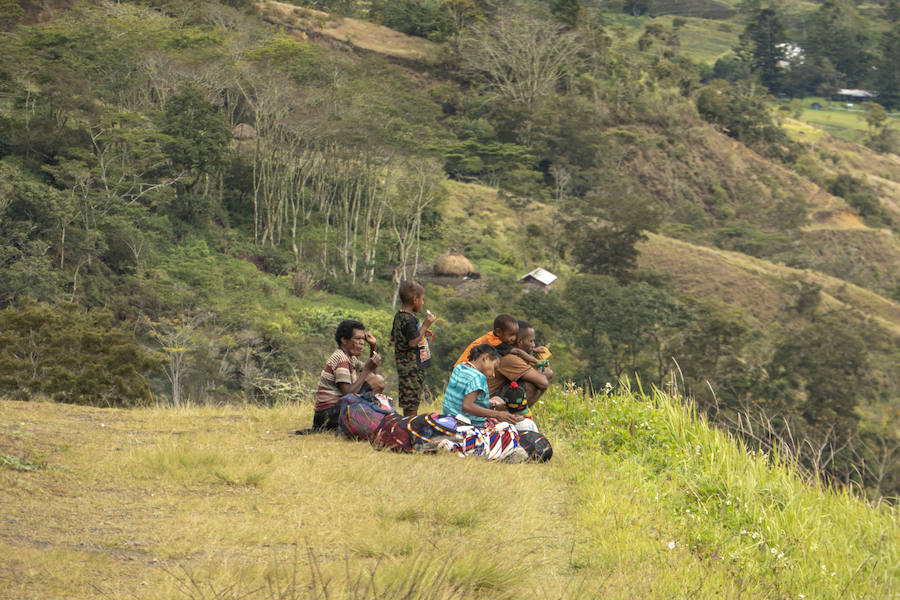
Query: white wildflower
point(774, 550)
point(671, 545)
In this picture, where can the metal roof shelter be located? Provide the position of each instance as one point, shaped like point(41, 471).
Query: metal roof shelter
point(854, 95)
point(539, 275)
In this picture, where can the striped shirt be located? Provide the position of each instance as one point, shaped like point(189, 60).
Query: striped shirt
point(464, 380)
point(340, 368)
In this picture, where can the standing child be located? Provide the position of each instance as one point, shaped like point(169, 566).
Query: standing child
point(411, 346)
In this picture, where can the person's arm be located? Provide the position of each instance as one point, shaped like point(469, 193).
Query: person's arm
point(373, 343)
point(531, 360)
point(469, 407)
point(423, 331)
point(536, 378)
point(536, 383)
point(370, 367)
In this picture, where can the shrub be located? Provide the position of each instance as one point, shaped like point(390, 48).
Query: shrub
point(861, 196)
point(72, 355)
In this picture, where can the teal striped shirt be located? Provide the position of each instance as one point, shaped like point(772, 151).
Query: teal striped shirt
point(464, 380)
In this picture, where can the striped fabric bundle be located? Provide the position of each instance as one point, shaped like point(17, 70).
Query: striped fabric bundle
point(421, 433)
point(432, 432)
point(500, 442)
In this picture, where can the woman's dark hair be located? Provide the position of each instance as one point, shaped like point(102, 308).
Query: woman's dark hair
point(482, 349)
point(345, 330)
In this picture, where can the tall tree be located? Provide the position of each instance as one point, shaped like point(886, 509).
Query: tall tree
point(522, 57)
point(420, 187)
point(835, 32)
point(762, 47)
point(887, 79)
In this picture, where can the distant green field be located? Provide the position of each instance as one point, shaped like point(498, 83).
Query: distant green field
point(701, 40)
point(843, 121)
point(704, 40)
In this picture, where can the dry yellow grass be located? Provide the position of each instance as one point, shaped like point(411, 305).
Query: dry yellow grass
point(139, 503)
point(882, 170)
point(210, 502)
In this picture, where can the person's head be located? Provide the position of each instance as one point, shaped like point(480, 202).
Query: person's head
point(350, 336)
point(506, 327)
point(515, 397)
point(484, 357)
point(412, 294)
point(525, 337)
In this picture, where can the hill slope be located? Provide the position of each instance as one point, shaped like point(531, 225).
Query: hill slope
point(224, 502)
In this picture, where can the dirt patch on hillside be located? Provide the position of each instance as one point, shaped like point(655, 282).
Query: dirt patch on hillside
point(351, 33)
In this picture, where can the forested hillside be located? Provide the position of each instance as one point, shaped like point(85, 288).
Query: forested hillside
point(192, 195)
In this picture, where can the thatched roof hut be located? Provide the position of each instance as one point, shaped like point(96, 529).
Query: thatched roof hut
point(454, 265)
point(243, 132)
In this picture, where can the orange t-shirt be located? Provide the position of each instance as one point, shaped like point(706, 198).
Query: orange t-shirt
point(488, 338)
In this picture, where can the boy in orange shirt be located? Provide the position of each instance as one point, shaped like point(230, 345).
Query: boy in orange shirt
point(503, 338)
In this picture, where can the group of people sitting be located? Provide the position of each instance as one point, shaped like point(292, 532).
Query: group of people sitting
point(496, 379)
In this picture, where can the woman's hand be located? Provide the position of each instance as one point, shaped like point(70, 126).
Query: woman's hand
point(508, 417)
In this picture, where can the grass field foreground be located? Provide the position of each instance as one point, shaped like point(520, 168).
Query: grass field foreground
point(640, 500)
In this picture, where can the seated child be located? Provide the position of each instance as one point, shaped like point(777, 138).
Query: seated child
point(502, 338)
point(467, 390)
point(513, 395)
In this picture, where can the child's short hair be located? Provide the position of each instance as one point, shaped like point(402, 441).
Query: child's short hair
point(409, 290)
point(505, 322)
point(345, 330)
point(481, 349)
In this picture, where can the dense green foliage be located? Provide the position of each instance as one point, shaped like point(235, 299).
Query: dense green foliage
point(72, 356)
point(758, 517)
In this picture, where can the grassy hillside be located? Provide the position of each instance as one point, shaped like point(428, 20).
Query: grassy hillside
point(640, 500)
point(762, 288)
